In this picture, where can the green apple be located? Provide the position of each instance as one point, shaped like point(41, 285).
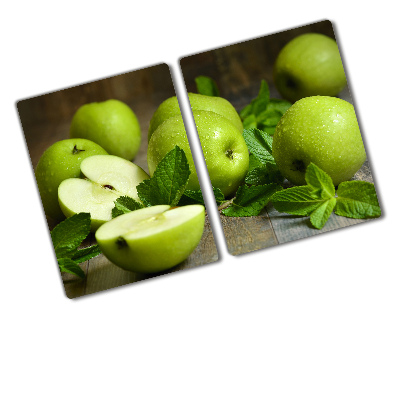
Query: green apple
point(309, 65)
point(170, 108)
point(112, 124)
point(322, 130)
point(152, 239)
point(60, 161)
point(225, 151)
point(105, 178)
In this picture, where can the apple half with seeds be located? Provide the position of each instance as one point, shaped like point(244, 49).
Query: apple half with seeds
point(152, 239)
point(104, 179)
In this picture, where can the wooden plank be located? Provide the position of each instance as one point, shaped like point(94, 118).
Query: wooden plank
point(288, 228)
point(246, 234)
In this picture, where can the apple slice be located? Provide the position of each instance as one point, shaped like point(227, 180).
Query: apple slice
point(152, 239)
point(106, 178)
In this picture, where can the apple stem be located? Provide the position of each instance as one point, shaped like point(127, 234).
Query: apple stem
point(75, 150)
point(225, 204)
point(229, 154)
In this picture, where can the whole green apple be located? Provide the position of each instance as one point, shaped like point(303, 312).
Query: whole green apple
point(104, 179)
point(225, 151)
point(112, 124)
point(61, 161)
point(322, 130)
point(170, 107)
point(309, 65)
point(152, 239)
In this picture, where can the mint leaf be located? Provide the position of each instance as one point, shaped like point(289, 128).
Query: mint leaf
point(86, 253)
point(260, 173)
point(69, 266)
point(196, 197)
point(259, 144)
point(267, 129)
point(319, 216)
point(259, 104)
point(168, 182)
point(263, 175)
point(278, 105)
point(125, 204)
point(219, 196)
point(269, 117)
point(297, 200)
point(206, 86)
point(67, 237)
point(320, 182)
point(250, 200)
point(246, 112)
point(263, 112)
point(69, 234)
point(357, 199)
point(250, 122)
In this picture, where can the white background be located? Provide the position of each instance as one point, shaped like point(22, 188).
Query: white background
point(313, 319)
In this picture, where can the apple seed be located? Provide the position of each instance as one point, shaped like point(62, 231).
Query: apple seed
point(121, 242)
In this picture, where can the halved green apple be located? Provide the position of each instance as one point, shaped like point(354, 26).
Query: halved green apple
point(152, 239)
point(105, 178)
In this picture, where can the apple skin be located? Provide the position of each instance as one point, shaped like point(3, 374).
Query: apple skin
point(104, 178)
point(322, 130)
point(170, 108)
point(309, 65)
point(154, 239)
point(112, 124)
point(61, 161)
point(225, 151)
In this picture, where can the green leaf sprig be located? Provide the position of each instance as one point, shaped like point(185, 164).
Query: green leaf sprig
point(206, 86)
point(250, 200)
point(317, 199)
point(196, 197)
point(125, 204)
point(166, 186)
point(168, 182)
point(67, 236)
point(264, 112)
point(262, 165)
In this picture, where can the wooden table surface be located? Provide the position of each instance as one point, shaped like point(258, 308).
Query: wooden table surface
point(238, 70)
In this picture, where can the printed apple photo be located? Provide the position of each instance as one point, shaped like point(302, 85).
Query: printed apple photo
point(298, 163)
point(119, 210)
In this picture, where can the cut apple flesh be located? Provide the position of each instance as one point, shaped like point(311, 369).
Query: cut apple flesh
point(108, 178)
point(152, 239)
point(115, 173)
point(80, 195)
